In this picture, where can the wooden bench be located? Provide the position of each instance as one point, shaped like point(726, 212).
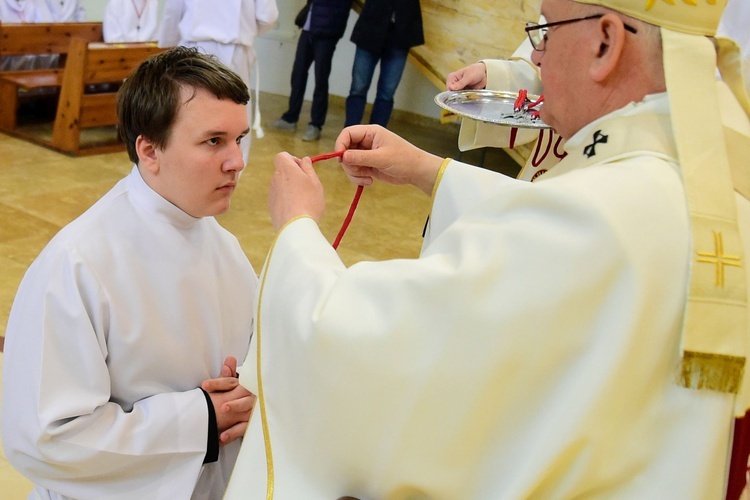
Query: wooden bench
point(35, 39)
point(89, 66)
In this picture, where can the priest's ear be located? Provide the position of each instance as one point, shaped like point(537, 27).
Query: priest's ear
point(610, 40)
point(147, 157)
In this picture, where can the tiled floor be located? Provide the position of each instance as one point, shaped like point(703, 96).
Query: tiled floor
point(41, 190)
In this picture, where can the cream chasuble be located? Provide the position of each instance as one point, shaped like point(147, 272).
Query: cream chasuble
point(530, 351)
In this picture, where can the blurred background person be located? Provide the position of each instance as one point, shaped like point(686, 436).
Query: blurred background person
point(66, 11)
point(24, 11)
point(384, 33)
point(131, 21)
point(322, 29)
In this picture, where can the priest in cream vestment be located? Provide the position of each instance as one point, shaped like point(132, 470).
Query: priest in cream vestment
point(582, 335)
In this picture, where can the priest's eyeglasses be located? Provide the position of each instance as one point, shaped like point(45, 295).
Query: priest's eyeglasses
point(538, 32)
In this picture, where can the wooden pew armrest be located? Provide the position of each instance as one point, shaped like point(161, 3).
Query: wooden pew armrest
point(26, 80)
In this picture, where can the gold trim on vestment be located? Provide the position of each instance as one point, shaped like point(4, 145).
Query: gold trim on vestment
point(439, 177)
point(261, 393)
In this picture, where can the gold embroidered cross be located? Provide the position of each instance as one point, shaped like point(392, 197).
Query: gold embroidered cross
point(719, 259)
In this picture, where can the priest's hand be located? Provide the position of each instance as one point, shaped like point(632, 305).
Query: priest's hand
point(295, 191)
point(376, 153)
point(473, 76)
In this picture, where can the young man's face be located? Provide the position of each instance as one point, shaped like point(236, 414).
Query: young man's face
point(199, 167)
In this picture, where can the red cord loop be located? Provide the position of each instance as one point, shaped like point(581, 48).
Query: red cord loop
point(352, 207)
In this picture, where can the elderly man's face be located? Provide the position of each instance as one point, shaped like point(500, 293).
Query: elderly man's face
point(564, 78)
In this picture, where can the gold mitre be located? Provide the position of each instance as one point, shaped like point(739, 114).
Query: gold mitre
point(713, 344)
point(695, 17)
point(688, 17)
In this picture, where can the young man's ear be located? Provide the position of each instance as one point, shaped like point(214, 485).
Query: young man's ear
point(610, 37)
point(147, 157)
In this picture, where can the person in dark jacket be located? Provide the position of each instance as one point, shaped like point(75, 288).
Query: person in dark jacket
point(384, 32)
point(322, 28)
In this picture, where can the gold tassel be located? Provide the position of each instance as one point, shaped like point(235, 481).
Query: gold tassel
point(714, 372)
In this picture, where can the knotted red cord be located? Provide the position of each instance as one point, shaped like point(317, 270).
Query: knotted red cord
point(520, 100)
point(352, 207)
point(524, 104)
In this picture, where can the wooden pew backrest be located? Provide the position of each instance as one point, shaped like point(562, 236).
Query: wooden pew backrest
point(45, 38)
point(93, 64)
point(33, 39)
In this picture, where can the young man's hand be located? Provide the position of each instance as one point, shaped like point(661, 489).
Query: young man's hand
point(233, 404)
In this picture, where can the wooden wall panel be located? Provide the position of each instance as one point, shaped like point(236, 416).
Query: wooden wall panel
point(461, 32)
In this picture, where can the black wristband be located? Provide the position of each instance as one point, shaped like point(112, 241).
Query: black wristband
point(212, 443)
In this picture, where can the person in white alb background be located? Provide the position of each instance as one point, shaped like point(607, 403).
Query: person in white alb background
point(24, 11)
point(131, 21)
point(27, 11)
point(66, 11)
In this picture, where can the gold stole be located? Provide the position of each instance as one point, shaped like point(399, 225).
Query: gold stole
point(715, 324)
point(713, 340)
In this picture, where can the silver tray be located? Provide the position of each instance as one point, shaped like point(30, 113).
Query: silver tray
point(491, 106)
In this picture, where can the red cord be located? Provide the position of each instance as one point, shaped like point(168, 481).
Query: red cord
point(348, 218)
point(523, 103)
point(537, 102)
point(352, 207)
point(327, 156)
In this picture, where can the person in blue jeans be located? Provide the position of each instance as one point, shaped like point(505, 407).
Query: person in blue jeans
point(384, 32)
point(322, 29)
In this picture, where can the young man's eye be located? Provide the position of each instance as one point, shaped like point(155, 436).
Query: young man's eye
point(213, 141)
